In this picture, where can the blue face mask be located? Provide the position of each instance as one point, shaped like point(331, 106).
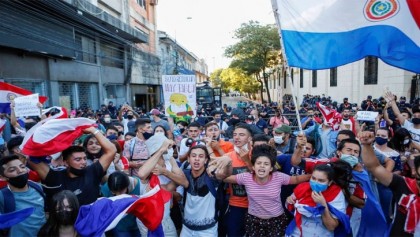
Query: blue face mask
point(351, 160)
point(380, 140)
point(317, 187)
point(112, 137)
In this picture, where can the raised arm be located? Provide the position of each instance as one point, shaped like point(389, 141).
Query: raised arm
point(108, 148)
point(150, 164)
point(371, 162)
point(297, 154)
point(176, 174)
point(391, 101)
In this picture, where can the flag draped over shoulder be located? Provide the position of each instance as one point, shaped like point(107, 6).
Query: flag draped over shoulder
point(373, 221)
point(329, 33)
point(9, 92)
point(53, 135)
point(105, 213)
point(13, 218)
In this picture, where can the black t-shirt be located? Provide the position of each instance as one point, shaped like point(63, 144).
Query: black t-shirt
point(85, 187)
point(399, 187)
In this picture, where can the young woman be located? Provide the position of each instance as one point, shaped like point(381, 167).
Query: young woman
point(93, 149)
point(323, 192)
point(119, 183)
point(61, 220)
point(402, 143)
point(265, 216)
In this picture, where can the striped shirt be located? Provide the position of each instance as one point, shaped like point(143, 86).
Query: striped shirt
point(264, 199)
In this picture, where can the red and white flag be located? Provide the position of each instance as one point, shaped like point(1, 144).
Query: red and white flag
point(54, 135)
point(331, 116)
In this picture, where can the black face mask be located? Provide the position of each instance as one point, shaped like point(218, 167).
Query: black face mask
point(182, 130)
point(77, 172)
point(19, 181)
point(147, 135)
point(130, 117)
point(66, 217)
point(234, 121)
point(415, 121)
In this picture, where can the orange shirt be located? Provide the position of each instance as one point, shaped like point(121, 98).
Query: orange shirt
point(238, 196)
point(226, 147)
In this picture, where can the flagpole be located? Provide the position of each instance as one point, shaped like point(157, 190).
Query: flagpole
point(288, 69)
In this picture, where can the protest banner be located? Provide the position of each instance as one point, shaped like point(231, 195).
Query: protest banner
point(179, 92)
point(27, 105)
point(366, 115)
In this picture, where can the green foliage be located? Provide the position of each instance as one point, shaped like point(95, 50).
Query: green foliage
point(258, 48)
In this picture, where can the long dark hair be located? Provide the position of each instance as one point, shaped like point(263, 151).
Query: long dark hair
point(397, 141)
point(52, 227)
point(90, 156)
point(340, 172)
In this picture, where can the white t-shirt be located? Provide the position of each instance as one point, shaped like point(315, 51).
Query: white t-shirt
point(415, 133)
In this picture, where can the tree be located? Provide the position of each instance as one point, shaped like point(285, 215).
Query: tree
point(258, 49)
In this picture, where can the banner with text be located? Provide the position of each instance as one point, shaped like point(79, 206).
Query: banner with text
point(27, 106)
point(179, 93)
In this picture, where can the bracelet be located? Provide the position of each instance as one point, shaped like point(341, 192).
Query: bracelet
point(95, 132)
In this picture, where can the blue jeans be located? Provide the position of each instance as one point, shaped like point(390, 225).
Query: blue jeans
point(235, 221)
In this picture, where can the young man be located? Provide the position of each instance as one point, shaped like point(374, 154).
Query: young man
point(217, 116)
point(240, 161)
point(283, 139)
point(156, 121)
point(194, 130)
point(129, 120)
point(25, 196)
point(135, 150)
point(414, 126)
point(79, 178)
point(405, 190)
point(260, 123)
point(215, 145)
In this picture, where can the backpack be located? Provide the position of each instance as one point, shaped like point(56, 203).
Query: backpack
point(222, 199)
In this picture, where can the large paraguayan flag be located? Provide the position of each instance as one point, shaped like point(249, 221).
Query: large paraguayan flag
point(329, 33)
point(9, 92)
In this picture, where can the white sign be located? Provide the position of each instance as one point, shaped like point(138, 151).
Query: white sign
point(27, 106)
point(179, 92)
point(366, 115)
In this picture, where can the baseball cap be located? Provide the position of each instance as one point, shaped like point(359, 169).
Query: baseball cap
point(155, 112)
point(250, 117)
point(283, 129)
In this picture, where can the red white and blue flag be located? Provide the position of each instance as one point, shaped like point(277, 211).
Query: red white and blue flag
point(9, 92)
point(53, 135)
point(104, 214)
point(331, 116)
point(329, 33)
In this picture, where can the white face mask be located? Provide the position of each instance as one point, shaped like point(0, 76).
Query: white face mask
point(107, 120)
point(244, 147)
point(406, 141)
point(168, 155)
point(278, 139)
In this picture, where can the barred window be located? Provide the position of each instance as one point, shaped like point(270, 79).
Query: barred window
point(333, 77)
point(314, 78)
point(301, 78)
point(371, 70)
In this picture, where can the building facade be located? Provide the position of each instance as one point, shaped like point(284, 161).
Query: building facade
point(369, 76)
point(81, 53)
point(176, 59)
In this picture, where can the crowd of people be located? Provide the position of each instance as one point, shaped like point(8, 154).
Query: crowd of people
point(233, 172)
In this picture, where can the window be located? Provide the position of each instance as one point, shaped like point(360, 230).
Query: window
point(333, 77)
point(142, 3)
point(301, 78)
point(85, 48)
point(284, 78)
point(314, 78)
point(291, 76)
point(371, 70)
point(112, 55)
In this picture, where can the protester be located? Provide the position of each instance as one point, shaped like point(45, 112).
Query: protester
point(265, 215)
point(21, 194)
point(79, 178)
point(216, 145)
point(62, 218)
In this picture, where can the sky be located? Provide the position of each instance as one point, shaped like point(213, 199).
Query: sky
point(206, 27)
